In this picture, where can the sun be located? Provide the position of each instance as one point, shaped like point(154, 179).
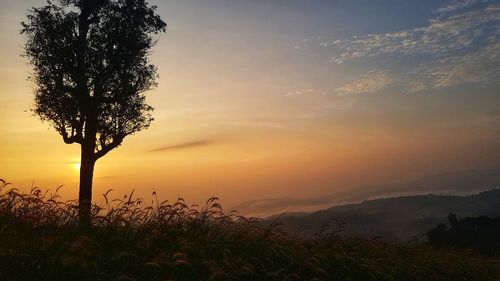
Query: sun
point(76, 166)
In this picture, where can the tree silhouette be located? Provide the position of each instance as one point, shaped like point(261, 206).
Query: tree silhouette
point(481, 234)
point(91, 70)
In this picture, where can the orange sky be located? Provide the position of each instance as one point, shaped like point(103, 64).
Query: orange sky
point(245, 112)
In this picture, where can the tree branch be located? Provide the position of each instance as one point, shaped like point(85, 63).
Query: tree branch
point(70, 139)
point(107, 148)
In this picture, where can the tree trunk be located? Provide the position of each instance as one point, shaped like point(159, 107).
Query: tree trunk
point(86, 175)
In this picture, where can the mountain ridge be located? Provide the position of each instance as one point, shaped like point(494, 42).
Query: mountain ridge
point(460, 182)
point(395, 218)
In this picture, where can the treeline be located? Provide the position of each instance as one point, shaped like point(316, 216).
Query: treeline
point(479, 234)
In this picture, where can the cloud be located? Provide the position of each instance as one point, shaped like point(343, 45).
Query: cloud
point(460, 45)
point(480, 67)
point(371, 82)
point(183, 145)
point(300, 92)
point(458, 4)
point(273, 206)
point(443, 35)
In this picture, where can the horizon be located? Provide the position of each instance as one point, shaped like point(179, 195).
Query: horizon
point(304, 100)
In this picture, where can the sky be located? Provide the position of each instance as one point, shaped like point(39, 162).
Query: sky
point(268, 99)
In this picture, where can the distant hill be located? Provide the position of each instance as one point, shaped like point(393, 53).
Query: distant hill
point(457, 183)
point(398, 218)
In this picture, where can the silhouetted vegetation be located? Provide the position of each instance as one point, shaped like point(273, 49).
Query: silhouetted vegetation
point(134, 240)
point(480, 234)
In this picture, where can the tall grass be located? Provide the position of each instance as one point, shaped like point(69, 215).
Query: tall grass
point(134, 240)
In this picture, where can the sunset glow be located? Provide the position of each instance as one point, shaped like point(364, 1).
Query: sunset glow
point(283, 99)
point(76, 166)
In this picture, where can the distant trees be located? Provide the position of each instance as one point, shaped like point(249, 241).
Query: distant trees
point(481, 234)
point(91, 69)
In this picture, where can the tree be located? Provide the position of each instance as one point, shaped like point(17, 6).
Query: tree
point(91, 70)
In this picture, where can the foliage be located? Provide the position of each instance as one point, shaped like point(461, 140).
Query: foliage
point(480, 234)
point(40, 240)
point(91, 67)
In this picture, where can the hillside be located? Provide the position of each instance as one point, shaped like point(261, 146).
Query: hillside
point(461, 182)
point(398, 218)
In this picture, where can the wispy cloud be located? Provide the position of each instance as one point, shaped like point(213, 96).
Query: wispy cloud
point(458, 4)
point(482, 66)
point(460, 45)
point(183, 145)
point(442, 36)
point(300, 92)
point(479, 67)
point(371, 82)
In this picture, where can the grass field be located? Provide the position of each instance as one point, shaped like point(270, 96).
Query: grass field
point(133, 240)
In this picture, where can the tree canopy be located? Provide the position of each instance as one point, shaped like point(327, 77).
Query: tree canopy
point(91, 68)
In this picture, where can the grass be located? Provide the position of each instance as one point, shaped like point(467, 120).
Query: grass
point(131, 240)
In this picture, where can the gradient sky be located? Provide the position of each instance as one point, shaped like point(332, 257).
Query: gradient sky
point(283, 98)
